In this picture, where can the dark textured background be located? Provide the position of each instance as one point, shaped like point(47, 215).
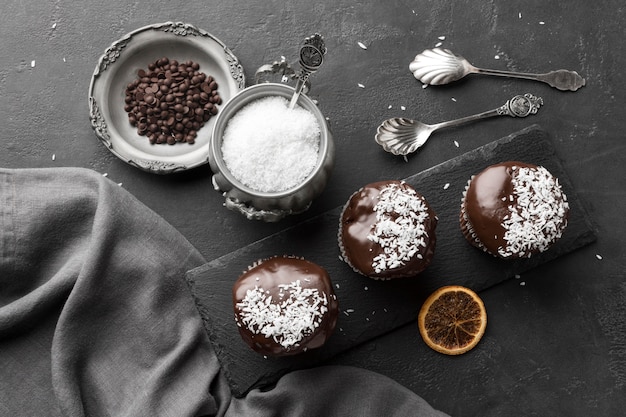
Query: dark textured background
point(556, 340)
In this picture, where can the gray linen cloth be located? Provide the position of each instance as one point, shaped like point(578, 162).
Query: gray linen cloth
point(96, 318)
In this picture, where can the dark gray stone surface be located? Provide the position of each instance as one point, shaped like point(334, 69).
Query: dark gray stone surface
point(555, 340)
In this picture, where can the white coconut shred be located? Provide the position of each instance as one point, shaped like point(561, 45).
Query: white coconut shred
point(399, 228)
point(269, 147)
point(540, 214)
point(287, 321)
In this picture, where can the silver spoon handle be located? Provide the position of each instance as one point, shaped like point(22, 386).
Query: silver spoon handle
point(560, 79)
point(311, 58)
point(518, 106)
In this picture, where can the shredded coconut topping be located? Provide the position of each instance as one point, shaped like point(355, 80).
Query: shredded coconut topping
point(539, 215)
point(399, 228)
point(296, 315)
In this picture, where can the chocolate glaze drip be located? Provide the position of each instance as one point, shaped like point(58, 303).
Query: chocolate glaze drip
point(268, 275)
point(357, 221)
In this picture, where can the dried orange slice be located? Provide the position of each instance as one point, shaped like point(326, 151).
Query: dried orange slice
point(452, 320)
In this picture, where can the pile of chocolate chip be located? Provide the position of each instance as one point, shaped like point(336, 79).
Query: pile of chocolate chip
point(170, 101)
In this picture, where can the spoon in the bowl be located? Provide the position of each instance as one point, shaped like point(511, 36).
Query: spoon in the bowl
point(311, 57)
point(401, 136)
point(441, 66)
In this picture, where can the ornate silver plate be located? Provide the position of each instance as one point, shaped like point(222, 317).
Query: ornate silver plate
point(118, 66)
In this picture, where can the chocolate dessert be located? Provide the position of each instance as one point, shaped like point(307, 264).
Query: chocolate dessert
point(387, 230)
point(284, 306)
point(513, 210)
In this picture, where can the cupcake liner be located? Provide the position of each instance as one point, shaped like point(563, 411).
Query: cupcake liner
point(466, 224)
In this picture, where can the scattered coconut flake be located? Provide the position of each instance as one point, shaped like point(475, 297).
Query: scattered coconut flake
point(119, 183)
point(519, 15)
point(361, 85)
point(424, 85)
point(54, 156)
point(54, 25)
point(365, 288)
point(402, 108)
point(438, 44)
point(456, 143)
point(362, 45)
point(350, 310)
point(446, 186)
point(287, 322)
point(390, 106)
point(453, 99)
point(442, 38)
point(517, 276)
point(522, 283)
point(405, 158)
point(539, 216)
point(496, 57)
point(599, 257)
point(32, 63)
point(399, 228)
point(105, 174)
point(337, 286)
point(542, 23)
point(64, 59)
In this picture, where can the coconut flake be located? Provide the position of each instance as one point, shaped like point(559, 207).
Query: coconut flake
point(361, 45)
point(399, 228)
point(538, 212)
point(295, 316)
point(269, 147)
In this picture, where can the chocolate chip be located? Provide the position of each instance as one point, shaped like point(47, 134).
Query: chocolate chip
point(170, 101)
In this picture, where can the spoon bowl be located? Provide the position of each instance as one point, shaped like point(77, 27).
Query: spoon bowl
point(401, 136)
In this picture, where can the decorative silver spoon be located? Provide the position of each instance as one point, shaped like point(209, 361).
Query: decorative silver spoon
point(311, 58)
point(441, 66)
point(401, 136)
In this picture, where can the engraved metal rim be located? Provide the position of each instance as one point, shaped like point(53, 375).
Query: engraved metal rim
point(118, 65)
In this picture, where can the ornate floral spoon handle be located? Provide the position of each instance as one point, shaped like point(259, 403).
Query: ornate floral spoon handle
point(311, 58)
point(518, 106)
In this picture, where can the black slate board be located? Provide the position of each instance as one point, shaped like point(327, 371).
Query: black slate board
point(372, 308)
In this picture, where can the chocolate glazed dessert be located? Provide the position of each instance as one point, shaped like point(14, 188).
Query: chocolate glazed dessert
point(285, 306)
point(513, 210)
point(387, 230)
